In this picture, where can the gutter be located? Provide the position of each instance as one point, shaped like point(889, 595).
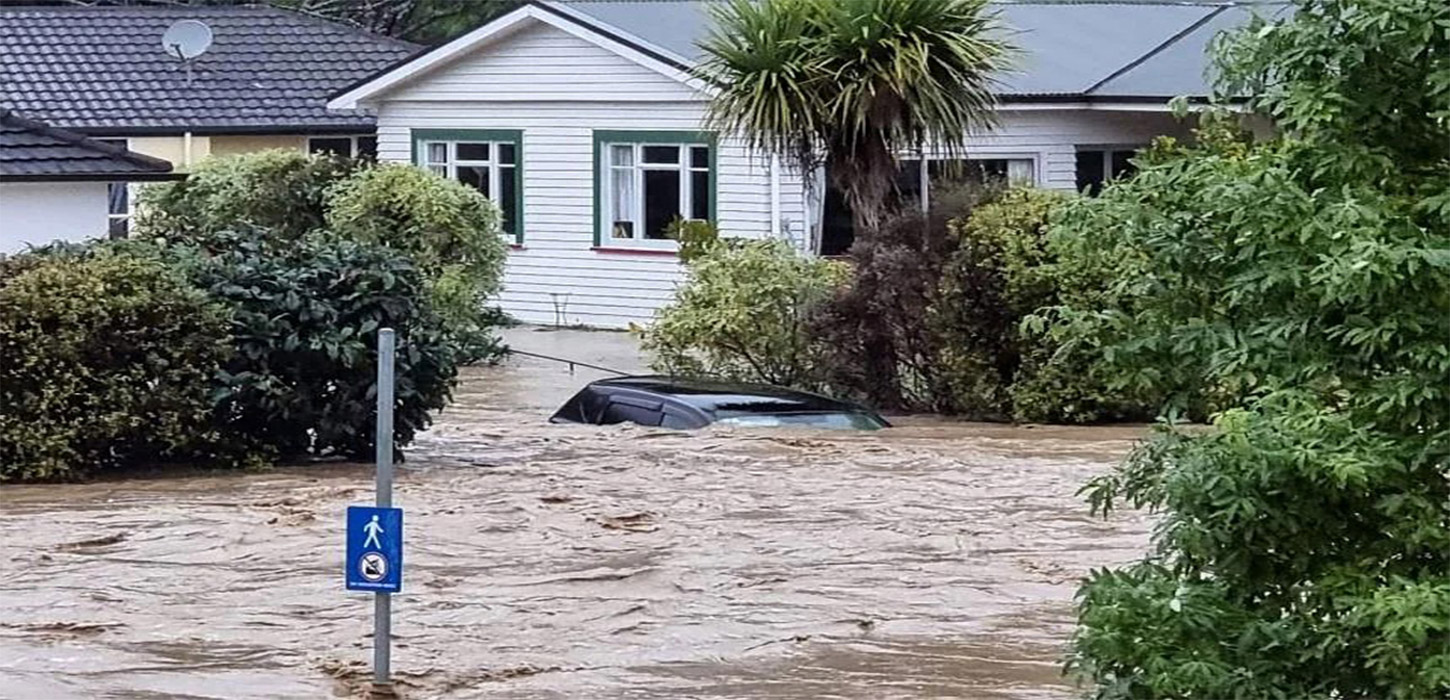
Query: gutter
point(224, 130)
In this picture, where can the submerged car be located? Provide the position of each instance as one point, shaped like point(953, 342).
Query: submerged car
point(670, 402)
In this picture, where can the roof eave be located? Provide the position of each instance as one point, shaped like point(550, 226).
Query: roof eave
point(91, 177)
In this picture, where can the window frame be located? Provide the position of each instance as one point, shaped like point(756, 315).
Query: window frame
point(353, 149)
point(604, 139)
point(1033, 158)
point(130, 213)
point(422, 137)
point(1106, 150)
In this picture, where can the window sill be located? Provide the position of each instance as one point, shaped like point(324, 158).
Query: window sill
point(517, 246)
point(621, 250)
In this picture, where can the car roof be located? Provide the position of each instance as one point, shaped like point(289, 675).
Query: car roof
point(718, 396)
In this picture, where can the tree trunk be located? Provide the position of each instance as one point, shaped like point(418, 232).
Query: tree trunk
point(865, 173)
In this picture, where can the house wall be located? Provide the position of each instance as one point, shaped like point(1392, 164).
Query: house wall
point(232, 145)
point(172, 147)
point(558, 89)
point(557, 275)
point(1052, 137)
point(37, 213)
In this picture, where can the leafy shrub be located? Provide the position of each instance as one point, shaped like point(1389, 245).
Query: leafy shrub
point(879, 345)
point(990, 281)
point(281, 192)
point(697, 238)
point(449, 229)
point(441, 224)
point(743, 314)
point(1303, 551)
point(105, 362)
point(998, 361)
point(303, 377)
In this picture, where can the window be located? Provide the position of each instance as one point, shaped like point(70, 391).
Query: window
point(365, 147)
point(118, 197)
point(942, 172)
point(489, 161)
point(619, 412)
point(1098, 165)
point(646, 180)
point(837, 225)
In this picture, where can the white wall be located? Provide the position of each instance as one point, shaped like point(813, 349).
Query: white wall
point(41, 212)
point(1052, 137)
point(558, 89)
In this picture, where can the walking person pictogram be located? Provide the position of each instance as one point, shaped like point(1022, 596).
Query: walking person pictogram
point(373, 529)
point(374, 549)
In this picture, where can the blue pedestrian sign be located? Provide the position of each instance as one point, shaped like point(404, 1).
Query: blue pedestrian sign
point(374, 549)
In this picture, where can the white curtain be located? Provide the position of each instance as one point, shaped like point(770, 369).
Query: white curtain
point(1019, 170)
point(622, 192)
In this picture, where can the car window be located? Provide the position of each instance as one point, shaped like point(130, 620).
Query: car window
point(838, 421)
point(677, 422)
point(619, 412)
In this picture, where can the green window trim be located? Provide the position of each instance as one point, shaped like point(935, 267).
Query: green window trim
point(513, 136)
point(604, 136)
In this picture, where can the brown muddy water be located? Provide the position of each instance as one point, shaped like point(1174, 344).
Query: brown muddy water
point(931, 560)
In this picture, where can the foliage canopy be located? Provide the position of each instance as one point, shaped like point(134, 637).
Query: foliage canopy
point(849, 85)
point(304, 322)
point(744, 314)
point(1303, 549)
point(449, 230)
point(107, 363)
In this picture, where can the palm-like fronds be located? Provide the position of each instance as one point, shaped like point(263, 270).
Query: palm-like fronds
point(851, 83)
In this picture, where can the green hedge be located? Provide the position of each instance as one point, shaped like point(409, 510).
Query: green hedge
point(1004, 272)
point(304, 322)
point(450, 231)
point(242, 324)
point(282, 192)
point(105, 362)
point(744, 314)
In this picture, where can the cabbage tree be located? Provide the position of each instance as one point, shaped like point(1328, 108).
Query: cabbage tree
point(851, 85)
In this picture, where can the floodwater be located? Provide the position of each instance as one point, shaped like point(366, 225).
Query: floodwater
point(932, 560)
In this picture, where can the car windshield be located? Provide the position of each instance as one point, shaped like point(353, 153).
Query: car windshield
point(836, 421)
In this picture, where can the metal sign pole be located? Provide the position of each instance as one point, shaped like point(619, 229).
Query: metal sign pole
point(382, 602)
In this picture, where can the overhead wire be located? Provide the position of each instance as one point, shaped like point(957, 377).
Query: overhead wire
point(567, 361)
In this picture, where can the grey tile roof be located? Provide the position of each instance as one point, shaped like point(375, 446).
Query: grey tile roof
point(1111, 49)
point(102, 69)
point(31, 150)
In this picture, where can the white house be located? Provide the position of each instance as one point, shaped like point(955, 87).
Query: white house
point(583, 122)
point(54, 183)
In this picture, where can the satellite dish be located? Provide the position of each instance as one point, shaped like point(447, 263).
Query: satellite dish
point(186, 39)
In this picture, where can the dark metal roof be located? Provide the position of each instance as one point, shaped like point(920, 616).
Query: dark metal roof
point(102, 69)
point(32, 151)
point(1122, 49)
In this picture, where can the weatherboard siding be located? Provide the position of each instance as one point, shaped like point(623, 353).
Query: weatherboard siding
point(1052, 137)
point(541, 62)
point(557, 275)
